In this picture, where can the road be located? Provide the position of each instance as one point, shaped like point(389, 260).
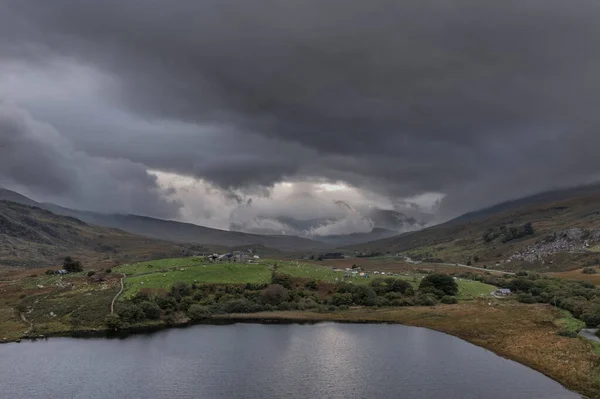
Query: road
point(590, 333)
point(409, 260)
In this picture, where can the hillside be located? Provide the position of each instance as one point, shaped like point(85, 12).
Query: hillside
point(566, 235)
point(357, 238)
point(172, 230)
point(34, 237)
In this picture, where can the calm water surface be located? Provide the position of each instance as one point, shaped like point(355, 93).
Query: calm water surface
point(269, 361)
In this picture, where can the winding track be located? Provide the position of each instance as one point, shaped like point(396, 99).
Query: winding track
point(112, 304)
point(409, 260)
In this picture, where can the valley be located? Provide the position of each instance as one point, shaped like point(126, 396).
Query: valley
point(544, 255)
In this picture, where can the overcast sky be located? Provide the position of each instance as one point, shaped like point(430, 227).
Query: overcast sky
point(244, 114)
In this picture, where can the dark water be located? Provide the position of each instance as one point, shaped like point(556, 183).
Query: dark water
point(268, 361)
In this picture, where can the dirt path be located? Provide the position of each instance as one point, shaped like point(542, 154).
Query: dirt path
point(29, 323)
point(416, 262)
point(112, 304)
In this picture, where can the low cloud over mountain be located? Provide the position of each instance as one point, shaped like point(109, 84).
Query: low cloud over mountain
point(110, 105)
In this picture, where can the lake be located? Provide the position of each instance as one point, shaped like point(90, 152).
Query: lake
point(326, 360)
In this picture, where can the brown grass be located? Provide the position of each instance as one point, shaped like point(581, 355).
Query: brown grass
point(524, 333)
point(578, 275)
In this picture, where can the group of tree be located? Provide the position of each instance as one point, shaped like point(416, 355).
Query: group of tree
point(198, 301)
point(581, 298)
point(506, 233)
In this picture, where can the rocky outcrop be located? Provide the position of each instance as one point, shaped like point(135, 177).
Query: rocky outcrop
point(569, 240)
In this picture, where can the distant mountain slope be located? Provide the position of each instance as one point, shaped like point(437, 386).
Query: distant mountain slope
point(172, 230)
point(35, 237)
point(540, 198)
point(486, 237)
point(357, 238)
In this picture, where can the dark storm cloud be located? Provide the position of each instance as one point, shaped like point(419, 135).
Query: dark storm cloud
point(482, 101)
point(37, 158)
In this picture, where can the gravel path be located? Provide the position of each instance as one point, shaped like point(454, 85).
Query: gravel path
point(112, 304)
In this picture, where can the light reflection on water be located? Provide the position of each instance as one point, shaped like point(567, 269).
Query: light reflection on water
point(269, 361)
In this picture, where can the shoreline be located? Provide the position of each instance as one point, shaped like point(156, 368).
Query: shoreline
point(530, 352)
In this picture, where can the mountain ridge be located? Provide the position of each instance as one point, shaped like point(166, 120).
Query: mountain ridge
point(174, 231)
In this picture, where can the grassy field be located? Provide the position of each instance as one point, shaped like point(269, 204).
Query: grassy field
point(230, 273)
point(161, 264)
point(164, 273)
point(474, 288)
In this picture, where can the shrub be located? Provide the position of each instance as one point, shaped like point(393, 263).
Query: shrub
point(166, 303)
point(427, 299)
point(312, 285)
point(364, 295)
point(274, 294)
point(150, 309)
point(72, 266)
point(180, 289)
point(185, 303)
point(49, 272)
point(567, 333)
point(589, 270)
point(131, 313)
point(440, 284)
point(108, 271)
point(282, 279)
point(447, 299)
point(331, 308)
point(91, 273)
point(170, 319)
point(591, 317)
point(238, 306)
point(341, 299)
point(112, 321)
point(198, 312)
point(397, 285)
point(526, 298)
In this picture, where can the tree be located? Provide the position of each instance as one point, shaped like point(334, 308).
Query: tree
point(72, 266)
point(364, 295)
point(274, 294)
point(397, 285)
point(197, 312)
point(528, 229)
point(131, 313)
point(180, 289)
point(282, 279)
point(112, 321)
point(439, 283)
point(447, 299)
point(150, 309)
